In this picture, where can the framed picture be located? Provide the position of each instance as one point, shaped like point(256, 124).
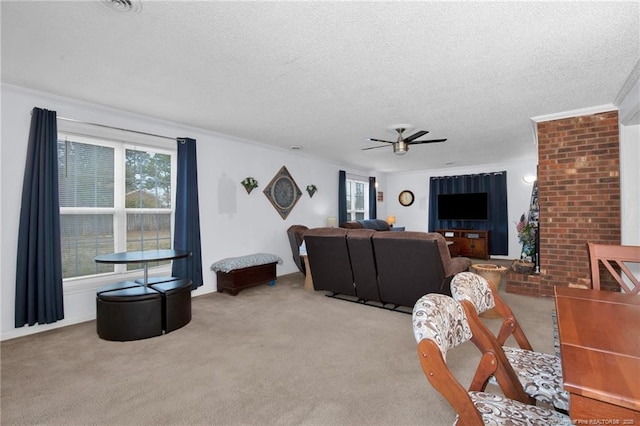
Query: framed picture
point(283, 192)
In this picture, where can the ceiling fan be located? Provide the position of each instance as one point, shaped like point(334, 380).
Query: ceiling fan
point(401, 146)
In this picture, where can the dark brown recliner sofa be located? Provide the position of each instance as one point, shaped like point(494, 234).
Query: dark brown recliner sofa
point(387, 267)
point(329, 260)
point(412, 264)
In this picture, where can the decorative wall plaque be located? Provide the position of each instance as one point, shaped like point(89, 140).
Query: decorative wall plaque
point(283, 192)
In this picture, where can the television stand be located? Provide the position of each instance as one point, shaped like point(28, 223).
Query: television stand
point(471, 243)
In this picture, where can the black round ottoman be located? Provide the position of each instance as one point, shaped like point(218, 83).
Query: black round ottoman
point(176, 303)
point(131, 313)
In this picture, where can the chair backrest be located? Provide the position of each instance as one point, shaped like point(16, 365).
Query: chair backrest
point(329, 260)
point(375, 224)
point(363, 264)
point(483, 296)
point(440, 324)
point(615, 259)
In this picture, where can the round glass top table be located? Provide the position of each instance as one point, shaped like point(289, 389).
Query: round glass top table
point(143, 257)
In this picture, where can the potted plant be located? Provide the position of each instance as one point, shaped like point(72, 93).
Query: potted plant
point(527, 237)
point(311, 189)
point(249, 184)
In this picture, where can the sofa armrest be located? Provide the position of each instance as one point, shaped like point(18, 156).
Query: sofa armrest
point(459, 264)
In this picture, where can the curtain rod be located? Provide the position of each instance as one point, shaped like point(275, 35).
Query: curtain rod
point(116, 128)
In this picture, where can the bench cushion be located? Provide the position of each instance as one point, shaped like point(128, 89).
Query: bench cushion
point(231, 263)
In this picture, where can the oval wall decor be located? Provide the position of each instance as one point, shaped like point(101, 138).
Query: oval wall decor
point(283, 192)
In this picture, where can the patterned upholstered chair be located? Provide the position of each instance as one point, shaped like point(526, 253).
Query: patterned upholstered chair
point(439, 325)
point(540, 374)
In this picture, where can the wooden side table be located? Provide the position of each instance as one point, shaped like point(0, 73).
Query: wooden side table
point(308, 279)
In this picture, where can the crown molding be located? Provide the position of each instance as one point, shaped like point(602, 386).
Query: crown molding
point(629, 113)
point(575, 113)
point(629, 85)
point(568, 114)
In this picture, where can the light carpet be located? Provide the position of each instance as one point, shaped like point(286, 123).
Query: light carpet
point(272, 355)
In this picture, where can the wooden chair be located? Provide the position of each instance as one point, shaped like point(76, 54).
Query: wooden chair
point(439, 325)
point(539, 374)
point(618, 255)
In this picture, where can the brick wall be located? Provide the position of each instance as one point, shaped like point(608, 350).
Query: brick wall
point(579, 197)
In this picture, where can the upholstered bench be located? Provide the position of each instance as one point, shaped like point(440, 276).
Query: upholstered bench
point(237, 273)
point(176, 303)
point(128, 311)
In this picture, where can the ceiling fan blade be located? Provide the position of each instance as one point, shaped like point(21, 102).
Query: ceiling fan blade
point(416, 135)
point(375, 147)
point(429, 141)
point(378, 140)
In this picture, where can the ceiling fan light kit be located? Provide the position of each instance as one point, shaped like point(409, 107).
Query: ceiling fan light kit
point(401, 146)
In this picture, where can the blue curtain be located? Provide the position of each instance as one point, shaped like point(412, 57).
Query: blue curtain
point(39, 297)
point(373, 209)
point(187, 217)
point(342, 197)
point(495, 185)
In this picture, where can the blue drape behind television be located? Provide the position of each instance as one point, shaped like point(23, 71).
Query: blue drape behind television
point(186, 234)
point(495, 185)
point(342, 197)
point(373, 206)
point(39, 264)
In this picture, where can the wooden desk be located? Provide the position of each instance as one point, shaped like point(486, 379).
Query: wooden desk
point(600, 295)
point(600, 350)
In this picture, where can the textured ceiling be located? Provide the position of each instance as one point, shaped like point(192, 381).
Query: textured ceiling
point(326, 75)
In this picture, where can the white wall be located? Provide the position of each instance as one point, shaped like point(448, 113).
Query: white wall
point(233, 223)
point(630, 184)
point(629, 116)
point(416, 216)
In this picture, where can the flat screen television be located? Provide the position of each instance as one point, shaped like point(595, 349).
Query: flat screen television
point(463, 206)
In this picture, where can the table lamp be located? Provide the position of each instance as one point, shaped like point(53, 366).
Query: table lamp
point(391, 220)
point(332, 221)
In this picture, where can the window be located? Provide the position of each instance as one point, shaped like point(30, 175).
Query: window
point(357, 199)
point(114, 197)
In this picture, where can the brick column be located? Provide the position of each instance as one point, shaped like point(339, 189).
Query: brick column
point(579, 197)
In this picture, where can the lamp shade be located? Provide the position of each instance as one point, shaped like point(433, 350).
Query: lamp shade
point(332, 221)
point(391, 220)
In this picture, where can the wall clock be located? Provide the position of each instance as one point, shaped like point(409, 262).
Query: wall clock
point(406, 198)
